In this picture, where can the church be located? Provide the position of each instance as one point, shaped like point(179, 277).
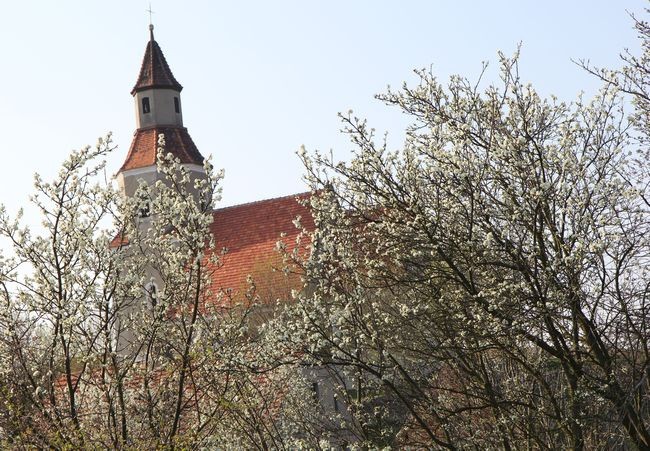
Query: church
point(247, 233)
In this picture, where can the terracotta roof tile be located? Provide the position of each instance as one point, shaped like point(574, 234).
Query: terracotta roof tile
point(155, 72)
point(249, 234)
point(119, 241)
point(143, 147)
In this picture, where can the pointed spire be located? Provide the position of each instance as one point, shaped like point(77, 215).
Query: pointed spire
point(155, 72)
point(157, 100)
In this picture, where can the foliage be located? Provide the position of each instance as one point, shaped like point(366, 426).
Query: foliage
point(111, 335)
point(490, 277)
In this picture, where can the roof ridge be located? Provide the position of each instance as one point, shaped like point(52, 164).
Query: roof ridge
point(255, 202)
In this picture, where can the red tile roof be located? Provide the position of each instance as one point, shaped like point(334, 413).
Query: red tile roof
point(145, 143)
point(155, 72)
point(246, 238)
point(118, 241)
point(249, 234)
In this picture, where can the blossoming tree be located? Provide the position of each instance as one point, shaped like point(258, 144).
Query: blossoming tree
point(489, 279)
point(112, 336)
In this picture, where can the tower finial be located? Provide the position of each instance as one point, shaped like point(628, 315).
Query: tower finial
point(150, 21)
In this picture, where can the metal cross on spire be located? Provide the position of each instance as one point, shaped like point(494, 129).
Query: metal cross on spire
point(150, 13)
point(150, 21)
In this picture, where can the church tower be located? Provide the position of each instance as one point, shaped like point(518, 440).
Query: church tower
point(158, 110)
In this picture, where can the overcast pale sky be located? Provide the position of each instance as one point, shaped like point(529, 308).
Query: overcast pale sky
point(263, 77)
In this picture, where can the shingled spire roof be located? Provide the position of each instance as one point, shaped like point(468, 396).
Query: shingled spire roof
point(155, 72)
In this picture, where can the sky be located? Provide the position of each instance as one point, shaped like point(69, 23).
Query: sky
point(262, 78)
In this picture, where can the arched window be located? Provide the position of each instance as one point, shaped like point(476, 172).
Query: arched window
point(145, 105)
